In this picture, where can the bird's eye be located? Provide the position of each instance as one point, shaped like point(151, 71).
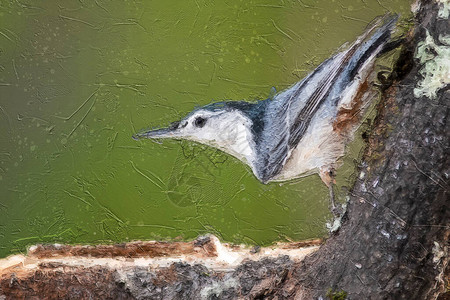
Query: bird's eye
point(199, 122)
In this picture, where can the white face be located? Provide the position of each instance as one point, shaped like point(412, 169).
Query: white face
point(226, 130)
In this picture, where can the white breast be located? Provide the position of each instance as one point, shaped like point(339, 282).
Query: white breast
point(320, 146)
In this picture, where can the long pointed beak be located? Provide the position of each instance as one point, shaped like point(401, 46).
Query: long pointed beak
point(169, 132)
point(154, 134)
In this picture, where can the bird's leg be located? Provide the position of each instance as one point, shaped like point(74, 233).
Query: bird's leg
point(333, 203)
point(327, 174)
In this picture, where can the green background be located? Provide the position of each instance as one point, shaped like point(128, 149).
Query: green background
point(78, 78)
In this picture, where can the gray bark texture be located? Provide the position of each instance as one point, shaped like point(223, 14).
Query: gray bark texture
point(393, 242)
point(398, 208)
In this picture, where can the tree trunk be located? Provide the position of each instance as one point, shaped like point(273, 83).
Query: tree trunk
point(394, 241)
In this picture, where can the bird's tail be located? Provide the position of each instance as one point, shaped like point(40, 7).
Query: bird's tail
point(371, 41)
point(381, 25)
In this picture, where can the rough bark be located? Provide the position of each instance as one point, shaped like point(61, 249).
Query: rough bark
point(398, 208)
point(393, 242)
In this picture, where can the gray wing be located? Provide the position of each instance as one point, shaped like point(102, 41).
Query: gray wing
point(289, 114)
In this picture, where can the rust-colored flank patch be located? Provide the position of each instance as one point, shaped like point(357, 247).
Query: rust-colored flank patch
point(348, 118)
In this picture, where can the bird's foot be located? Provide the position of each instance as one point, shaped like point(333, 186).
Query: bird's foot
point(337, 211)
point(327, 174)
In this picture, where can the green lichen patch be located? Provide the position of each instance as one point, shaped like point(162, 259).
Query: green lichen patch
point(336, 295)
point(435, 70)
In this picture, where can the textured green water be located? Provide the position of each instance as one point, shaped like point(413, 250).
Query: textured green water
point(78, 78)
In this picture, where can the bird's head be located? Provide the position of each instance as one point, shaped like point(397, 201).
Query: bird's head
point(219, 125)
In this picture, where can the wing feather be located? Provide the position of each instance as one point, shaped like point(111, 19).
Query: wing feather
point(289, 114)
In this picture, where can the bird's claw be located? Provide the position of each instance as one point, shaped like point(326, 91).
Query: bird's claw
point(337, 212)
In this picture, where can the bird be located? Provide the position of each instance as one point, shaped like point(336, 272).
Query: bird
point(299, 131)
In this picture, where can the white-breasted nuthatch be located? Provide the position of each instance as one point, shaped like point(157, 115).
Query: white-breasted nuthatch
point(301, 130)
